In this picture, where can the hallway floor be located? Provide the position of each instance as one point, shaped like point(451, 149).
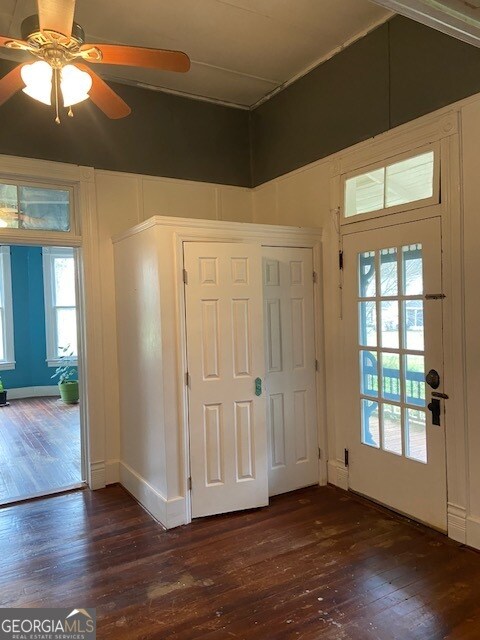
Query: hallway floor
point(39, 447)
point(316, 564)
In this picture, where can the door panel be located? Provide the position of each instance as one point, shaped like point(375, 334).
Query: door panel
point(290, 361)
point(224, 314)
point(393, 336)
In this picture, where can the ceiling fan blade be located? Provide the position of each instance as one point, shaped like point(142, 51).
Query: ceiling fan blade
point(10, 84)
point(5, 39)
point(56, 15)
point(162, 59)
point(105, 98)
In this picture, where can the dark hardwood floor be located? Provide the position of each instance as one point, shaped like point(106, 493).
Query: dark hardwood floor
point(39, 447)
point(317, 563)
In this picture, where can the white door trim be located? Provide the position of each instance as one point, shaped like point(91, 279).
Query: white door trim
point(195, 230)
point(83, 238)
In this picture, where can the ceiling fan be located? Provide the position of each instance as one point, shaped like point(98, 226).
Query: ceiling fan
point(60, 73)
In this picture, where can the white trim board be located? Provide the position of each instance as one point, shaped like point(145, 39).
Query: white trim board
point(32, 392)
point(221, 229)
point(169, 513)
point(84, 234)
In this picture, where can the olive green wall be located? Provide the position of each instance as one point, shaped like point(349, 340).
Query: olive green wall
point(398, 72)
point(166, 135)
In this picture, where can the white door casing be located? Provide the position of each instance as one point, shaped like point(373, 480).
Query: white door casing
point(224, 322)
point(290, 368)
point(393, 336)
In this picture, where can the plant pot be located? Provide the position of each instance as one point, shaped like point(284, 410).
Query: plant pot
point(69, 391)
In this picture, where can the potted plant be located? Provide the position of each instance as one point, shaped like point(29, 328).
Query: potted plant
point(3, 394)
point(65, 372)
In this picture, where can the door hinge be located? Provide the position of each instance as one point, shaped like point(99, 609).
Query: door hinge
point(187, 379)
point(315, 278)
point(345, 460)
point(340, 260)
point(319, 453)
point(316, 365)
point(185, 276)
point(189, 483)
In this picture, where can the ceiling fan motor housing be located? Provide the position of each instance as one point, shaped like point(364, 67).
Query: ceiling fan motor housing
point(31, 26)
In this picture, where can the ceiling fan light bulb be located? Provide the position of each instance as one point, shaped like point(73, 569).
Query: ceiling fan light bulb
point(38, 81)
point(75, 85)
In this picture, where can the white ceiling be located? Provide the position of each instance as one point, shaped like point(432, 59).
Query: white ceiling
point(241, 50)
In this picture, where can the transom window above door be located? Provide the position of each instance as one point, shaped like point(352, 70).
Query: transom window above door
point(392, 350)
point(35, 207)
point(407, 183)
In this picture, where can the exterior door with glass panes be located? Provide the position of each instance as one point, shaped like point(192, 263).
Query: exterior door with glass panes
point(393, 332)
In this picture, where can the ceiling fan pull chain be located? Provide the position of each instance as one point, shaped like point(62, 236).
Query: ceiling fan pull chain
point(57, 119)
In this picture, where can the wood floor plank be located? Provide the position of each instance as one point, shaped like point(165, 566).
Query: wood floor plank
point(317, 563)
point(40, 448)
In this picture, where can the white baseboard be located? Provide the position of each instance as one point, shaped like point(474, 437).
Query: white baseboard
point(338, 474)
point(170, 513)
point(97, 475)
point(32, 392)
point(457, 522)
point(103, 473)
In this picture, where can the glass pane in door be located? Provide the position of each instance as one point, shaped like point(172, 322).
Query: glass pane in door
point(391, 350)
point(416, 435)
point(370, 423)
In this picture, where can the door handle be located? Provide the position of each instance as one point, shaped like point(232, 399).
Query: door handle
point(434, 407)
point(433, 379)
point(258, 386)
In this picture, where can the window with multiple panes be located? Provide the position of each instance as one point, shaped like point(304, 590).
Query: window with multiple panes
point(60, 303)
point(33, 207)
point(7, 350)
point(391, 187)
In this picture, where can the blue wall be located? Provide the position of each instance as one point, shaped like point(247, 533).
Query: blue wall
point(29, 321)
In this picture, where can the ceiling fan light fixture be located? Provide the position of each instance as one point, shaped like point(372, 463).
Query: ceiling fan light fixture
point(75, 85)
point(38, 81)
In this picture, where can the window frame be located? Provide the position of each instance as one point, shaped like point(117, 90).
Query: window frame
point(57, 186)
point(48, 259)
point(434, 199)
point(8, 363)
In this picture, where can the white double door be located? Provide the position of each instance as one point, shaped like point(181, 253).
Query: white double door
point(393, 331)
point(252, 406)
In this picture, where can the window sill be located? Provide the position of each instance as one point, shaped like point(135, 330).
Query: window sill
point(7, 366)
point(58, 362)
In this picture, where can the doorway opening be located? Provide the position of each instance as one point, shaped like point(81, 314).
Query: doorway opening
point(40, 416)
